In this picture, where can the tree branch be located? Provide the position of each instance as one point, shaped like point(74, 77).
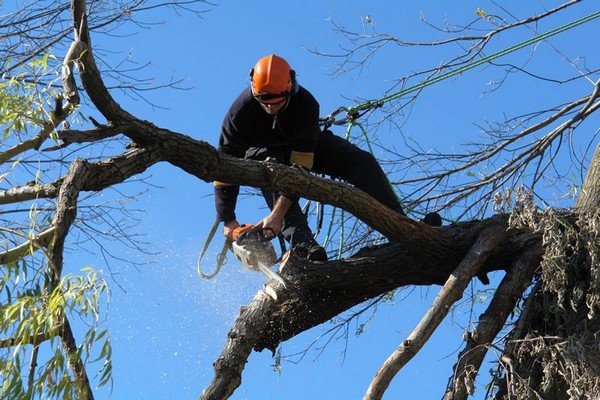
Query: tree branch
point(491, 322)
point(589, 198)
point(42, 240)
point(31, 340)
point(90, 75)
point(69, 136)
point(66, 211)
point(317, 292)
point(449, 294)
point(104, 174)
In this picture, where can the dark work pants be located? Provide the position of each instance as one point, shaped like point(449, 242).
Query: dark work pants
point(338, 158)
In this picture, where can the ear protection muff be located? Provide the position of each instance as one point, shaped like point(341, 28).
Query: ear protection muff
point(294, 82)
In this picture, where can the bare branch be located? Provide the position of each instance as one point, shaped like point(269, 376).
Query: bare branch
point(372, 43)
point(450, 293)
point(524, 156)
point(517, 278)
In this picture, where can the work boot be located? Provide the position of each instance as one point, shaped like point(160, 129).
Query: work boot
point(432, 219)
point(312, 252)
point(316, 253)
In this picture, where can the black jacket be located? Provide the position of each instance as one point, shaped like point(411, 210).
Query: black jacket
point(246, 125)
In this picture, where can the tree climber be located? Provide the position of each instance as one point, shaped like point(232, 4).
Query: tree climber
point(279, 119)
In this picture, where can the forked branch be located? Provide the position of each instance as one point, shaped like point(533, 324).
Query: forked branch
point(517, 278)
point(448, 295)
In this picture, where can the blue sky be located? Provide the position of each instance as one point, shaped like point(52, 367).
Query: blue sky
point(167, 326)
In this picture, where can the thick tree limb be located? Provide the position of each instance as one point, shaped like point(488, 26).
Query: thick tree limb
point(318, 292)
point(30, 191)
point(452, 291)
point(66, 211)
point(103, 174)
point(203, 161)
point(517, 279)
point(90, 75)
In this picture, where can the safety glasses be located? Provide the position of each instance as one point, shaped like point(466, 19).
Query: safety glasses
point(270, 98)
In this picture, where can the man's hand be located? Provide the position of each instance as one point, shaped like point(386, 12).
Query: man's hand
point(229, 227)
point(271, 225)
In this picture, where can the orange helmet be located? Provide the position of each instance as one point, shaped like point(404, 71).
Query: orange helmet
point(272, 78)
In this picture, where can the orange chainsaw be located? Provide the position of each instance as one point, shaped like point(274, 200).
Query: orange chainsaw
point(255, 250)
point(251, 247)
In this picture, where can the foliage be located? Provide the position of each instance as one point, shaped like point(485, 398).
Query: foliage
point(33, 317)
point(22, 99)
point(34, 309)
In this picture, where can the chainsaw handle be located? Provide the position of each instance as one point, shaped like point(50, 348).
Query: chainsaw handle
point(235, 234)
point(246, 233)
point(263, 238)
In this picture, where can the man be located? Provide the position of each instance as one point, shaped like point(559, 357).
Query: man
point(279, 119)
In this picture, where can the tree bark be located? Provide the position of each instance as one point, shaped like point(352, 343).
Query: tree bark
point(66, 211)
point(317, 292)
point(589, 196)
point(490, 323)
point(554, 325)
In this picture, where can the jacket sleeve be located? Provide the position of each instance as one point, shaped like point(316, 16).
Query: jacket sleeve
point(225, 201)
point(303, 150)
point(231, 142)
point(306, 133)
